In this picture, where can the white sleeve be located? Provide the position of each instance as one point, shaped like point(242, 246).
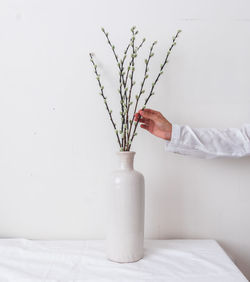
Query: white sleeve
point(209, 143)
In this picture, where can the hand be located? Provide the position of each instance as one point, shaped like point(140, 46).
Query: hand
point(155, 123)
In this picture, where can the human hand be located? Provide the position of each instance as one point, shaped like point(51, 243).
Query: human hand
point(155, 123)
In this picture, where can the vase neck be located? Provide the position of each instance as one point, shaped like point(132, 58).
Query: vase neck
point(126, 160)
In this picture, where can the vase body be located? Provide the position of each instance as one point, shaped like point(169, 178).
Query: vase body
point(125, 206)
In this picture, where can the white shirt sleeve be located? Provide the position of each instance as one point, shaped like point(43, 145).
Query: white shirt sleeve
point(209, 143)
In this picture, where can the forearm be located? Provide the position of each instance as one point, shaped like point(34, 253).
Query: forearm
point(209, 142)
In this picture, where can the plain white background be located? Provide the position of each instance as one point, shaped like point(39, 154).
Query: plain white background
point(56, 141)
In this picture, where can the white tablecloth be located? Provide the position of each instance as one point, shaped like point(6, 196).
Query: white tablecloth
point(85, 260)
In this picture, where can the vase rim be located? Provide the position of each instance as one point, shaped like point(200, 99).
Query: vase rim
point(125, 152)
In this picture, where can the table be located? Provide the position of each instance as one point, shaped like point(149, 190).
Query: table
point(85, 260)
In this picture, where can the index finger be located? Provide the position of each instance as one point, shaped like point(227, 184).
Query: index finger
point(149, 111)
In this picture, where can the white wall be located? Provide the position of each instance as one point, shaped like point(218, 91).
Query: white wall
point(57, 144)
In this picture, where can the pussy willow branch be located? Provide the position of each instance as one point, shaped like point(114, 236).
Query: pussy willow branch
point(124, 99)
point(104, 98)
point(127, 96)
point(126, 91)
point(121, 76)
point(129, 66)
point(132, 83)
point(141, 89)
point(114, 52)
point(154, 83)
point(120, 90)
point(122, 80)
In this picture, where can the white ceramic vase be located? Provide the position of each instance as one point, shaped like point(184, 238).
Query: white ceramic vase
point(125, 204)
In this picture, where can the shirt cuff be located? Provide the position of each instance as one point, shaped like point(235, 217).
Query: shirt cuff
point(171, 145)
